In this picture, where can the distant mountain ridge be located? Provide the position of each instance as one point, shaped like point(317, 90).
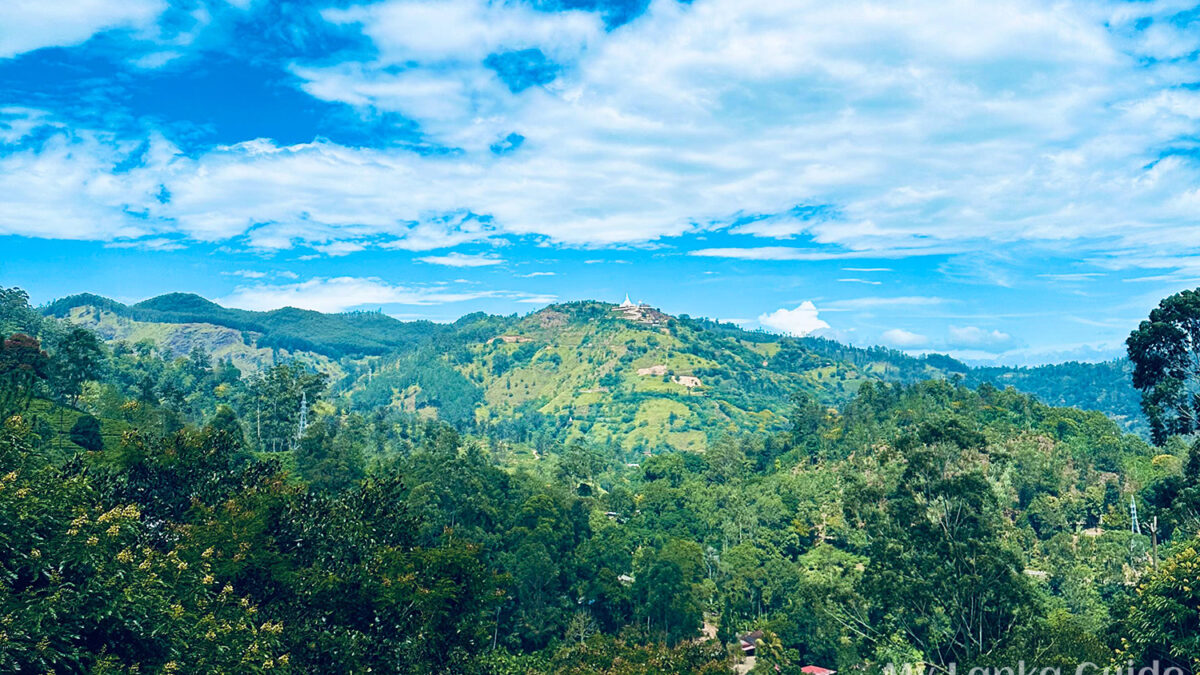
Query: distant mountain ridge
point(583, 370)
point(332, 335)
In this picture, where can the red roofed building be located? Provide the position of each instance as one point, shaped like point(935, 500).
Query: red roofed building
point(817, 670)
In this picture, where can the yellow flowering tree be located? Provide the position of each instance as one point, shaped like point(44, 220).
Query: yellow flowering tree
point(85, 586)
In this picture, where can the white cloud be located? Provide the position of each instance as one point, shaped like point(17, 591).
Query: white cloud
point(764, 253)
point(340, 248)
point(26, 25)
point(898, 337)
point(152, 244)
point(1033, 356)
point(537, 274)
point(807, 254)
point(455, 259)
point(800, 321)
point(860, 281)
point(978, 338)
point(246, 274)
point(884, 303)
point(430, 61)
point(1072, 277)
point(926, 129)
point(343, 293)
point(539, 299)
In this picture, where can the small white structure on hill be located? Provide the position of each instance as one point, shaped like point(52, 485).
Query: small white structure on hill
point(628, 302)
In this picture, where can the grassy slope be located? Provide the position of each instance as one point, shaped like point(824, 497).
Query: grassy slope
point(62, 418)
point(578, 365)
point(574, 367)
point(180, 338)
point(333, 335)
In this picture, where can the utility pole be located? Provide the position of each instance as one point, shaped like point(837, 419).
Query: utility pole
point(1154, 540)
point(1134, 527)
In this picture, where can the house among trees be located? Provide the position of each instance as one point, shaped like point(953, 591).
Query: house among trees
point(749, 641)
point(816, 670)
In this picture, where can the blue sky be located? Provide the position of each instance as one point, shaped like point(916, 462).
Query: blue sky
point(1006, 181)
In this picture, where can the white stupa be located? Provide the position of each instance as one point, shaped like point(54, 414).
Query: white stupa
point(628, 302)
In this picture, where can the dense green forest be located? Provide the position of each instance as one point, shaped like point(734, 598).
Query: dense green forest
point(633, 381)
point(509, 495)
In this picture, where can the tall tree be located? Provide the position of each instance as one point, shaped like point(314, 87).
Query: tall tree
point(275, 399)
point(1165, 350)
point(16, 316)
point(944, 574)
point(667, 590)
point(78, 357)
point(22, 365)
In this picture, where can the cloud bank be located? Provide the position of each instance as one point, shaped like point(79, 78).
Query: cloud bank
point(801, 321)
point(869, 129)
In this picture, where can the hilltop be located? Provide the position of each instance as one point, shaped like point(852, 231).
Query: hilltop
point(331, 335)
point(630, 378)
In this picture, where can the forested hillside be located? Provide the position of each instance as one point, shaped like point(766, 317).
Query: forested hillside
point(166, 513)
point(290, 329)
point(632, 380)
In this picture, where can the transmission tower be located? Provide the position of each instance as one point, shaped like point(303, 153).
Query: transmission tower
point(303, 415)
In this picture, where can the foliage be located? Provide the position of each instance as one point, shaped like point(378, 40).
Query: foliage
point(1165, 351)
point(22, 366)
point(1164, 619)
point(84, 588)
point(509, 495)
point(86, 433)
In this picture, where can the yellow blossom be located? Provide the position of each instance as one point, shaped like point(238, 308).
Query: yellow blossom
point(92, 541)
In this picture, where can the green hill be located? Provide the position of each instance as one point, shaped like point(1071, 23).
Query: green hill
point(332, 335)
point(633, 379)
